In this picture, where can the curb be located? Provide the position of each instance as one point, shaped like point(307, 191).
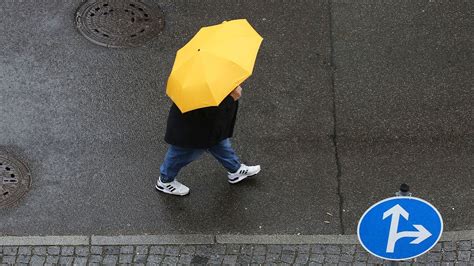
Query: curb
point(197, 239)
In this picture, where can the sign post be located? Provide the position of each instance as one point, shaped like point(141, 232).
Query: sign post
point(400, 228)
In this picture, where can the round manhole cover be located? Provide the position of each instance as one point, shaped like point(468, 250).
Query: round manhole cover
point(15, 180)
point(119, 23)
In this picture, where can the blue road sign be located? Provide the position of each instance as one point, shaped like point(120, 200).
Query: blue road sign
point(400, 228)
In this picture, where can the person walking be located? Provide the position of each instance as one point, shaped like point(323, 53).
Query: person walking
point(202, 130)
point(204, 86)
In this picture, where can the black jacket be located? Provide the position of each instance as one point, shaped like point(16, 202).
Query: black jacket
point(201, 128)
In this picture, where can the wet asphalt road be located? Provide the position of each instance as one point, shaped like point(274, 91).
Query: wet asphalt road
point(347, 101)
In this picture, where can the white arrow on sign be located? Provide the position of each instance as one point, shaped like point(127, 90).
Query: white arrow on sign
point(393, 236)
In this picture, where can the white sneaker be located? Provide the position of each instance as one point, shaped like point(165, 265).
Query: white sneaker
point(173, 188)
point(243, 172)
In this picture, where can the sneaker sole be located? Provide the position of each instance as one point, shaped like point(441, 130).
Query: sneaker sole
point(243, 177)
point(171, 193)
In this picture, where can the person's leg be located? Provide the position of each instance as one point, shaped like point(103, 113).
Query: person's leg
point(175, 159)
point(224, 153)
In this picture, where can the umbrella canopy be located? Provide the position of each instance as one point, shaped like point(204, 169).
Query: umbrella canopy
point(212, 64)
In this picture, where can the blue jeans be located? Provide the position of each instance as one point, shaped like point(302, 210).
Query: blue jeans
point(177, 158)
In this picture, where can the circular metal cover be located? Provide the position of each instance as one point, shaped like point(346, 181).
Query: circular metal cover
point(119, 23)
point(15, 180)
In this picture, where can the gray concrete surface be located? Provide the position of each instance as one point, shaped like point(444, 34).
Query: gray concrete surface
point(90, 121)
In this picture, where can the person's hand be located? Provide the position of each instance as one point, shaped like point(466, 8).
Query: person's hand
point(236, 93)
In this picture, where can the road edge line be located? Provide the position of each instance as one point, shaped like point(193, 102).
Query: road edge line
point(198, 239)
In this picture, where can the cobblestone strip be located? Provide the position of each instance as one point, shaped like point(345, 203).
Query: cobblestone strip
point(444, 253)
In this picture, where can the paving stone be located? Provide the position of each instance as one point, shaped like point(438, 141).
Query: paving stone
point(317, 248)
point(259, 250)
point(142, 250)
point(95, 259)
point(246, 249)
point(304, 249)
point(229, 260)
point(374, 260)
point(449, 246)
point(258, 259)
point(359, 256)
point(126, 258)
point(23, 258)
point(186, 250)
point(10, 251)
point(111, 250)
point(139, 258)
point(302, 258)
point(332, 249)
point(24, 251)
point(403, 263)
point(39, 251)
point(204, 250)
point(157, 250)
point(55, 250)
point(464, 255)
point(433, 257)
point(80, 261)
point(185, 259)
point(272, 257)
point(449, 256)
point(421, 258)
point(126, 250)
point(319, 258)
point(233, 249)
point(154, 258)
point(244, 259)
point(172, 251)
point(288, 258)
point(331, 258)
point(52, 259)
point(82, 251)
point(346, 258)
point(110, 259)
point(464, 245)
point(314, 264)
point(217, 259)
point(67, 251)
point(167, 260)
point(37, 260)
point(274, 249)
point(220, 249)
point(96, 250)
point(348, 249)
point(289, 248)
point(437, 247)
point(345, 263)
point(200, 259)
point(67, 260)
point(9, 259)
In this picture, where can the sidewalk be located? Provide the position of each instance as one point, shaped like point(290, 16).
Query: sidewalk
point(446, 252)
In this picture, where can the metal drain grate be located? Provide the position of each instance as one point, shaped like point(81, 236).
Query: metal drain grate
point(119, 23)
point(15, 180)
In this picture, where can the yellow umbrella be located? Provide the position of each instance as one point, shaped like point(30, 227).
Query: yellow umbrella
point(215, 61)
